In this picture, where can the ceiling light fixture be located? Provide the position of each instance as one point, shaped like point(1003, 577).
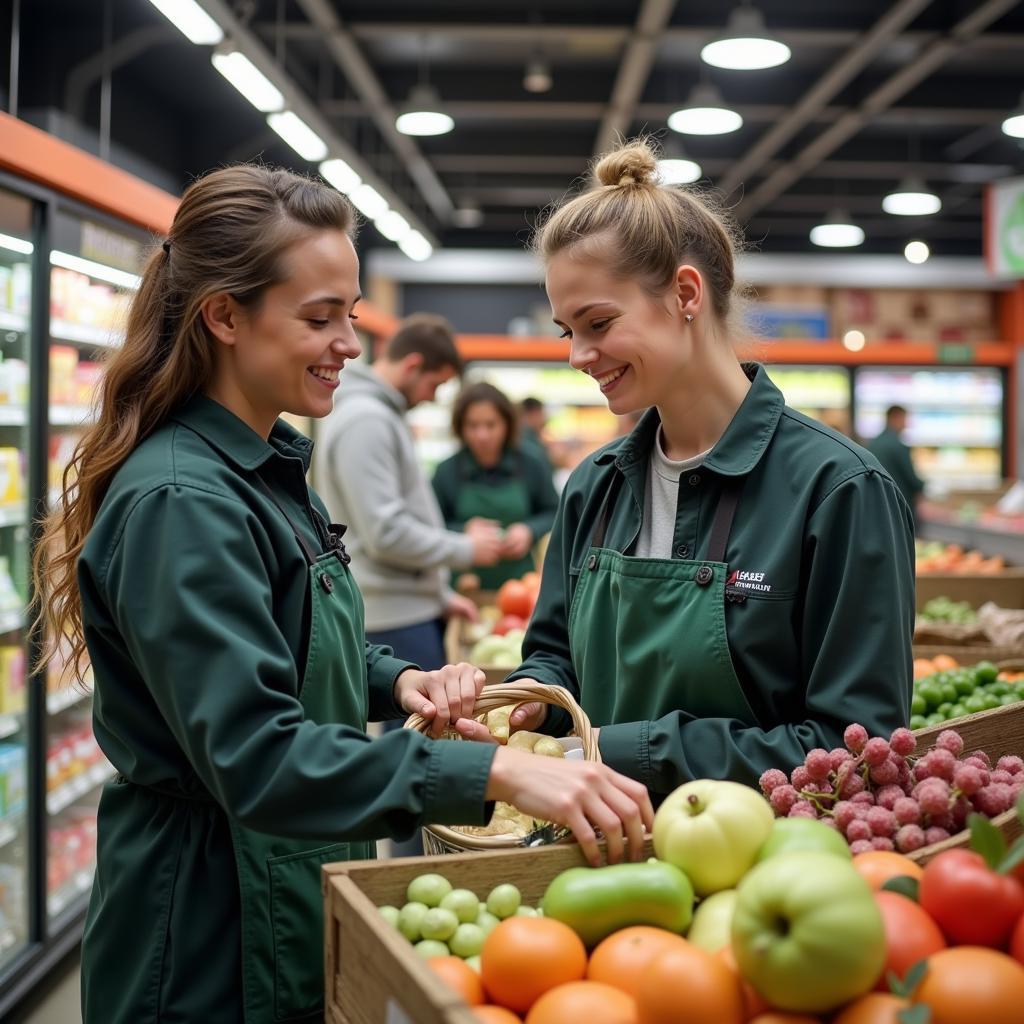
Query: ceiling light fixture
point(392, 225)
point(416, 247)
point(917, 252)
point(340, 175)
point(469, 215)
point(537, 77)
point(1014, 124)
point(746, 44)
point(91, 268)
point(298, 135)
point(705, 113)
point(191, 20)
point(912, 198)
point(18, 245)
point(837, 232)
point(423, 114)
point(368, 201)
point(248, 80)
point(854, 341)
point(678, 171)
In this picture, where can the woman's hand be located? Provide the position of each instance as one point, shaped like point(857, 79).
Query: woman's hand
point(530, 716)
point(441, 697)
point(582, 795)
point(518, 541)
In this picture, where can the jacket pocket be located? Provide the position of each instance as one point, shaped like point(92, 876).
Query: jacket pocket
point(296, 912)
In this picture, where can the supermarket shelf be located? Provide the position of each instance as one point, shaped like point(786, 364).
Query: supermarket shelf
point(9, 725)
point(61, 700)
point(65, 795)
point(8, 940)
point(12, 321)
point(70, 415)
point(10, 828)
point(13, 415)
point(68, 893)
point(988, 541)
point(85, 334)
point(11, 620)
point(12, 515)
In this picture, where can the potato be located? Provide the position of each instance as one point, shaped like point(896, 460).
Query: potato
point(497, 723)
point(547, 746)
point(523, 740)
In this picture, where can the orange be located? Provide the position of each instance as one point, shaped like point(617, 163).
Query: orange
point(878, 866)
point(923, 667)
point(524, 957)
point(588, 1002)
point(620, 958)
point(457, 974)
point(689, 976)
point(873, 1008)
point(782, 1017)
point(752, 1000)
point(495, 1015)
point(944, 662)
point(969, 984)
point(911, 935)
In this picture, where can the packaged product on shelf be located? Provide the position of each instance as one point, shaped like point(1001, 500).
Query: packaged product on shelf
point(12, 779)
point(5, 288)
point(87, 379)
point(13, 382)
point(21, 288)
point(12, 477)
point(62, 448)
point(63, 361)
point(10, 599)
point(12, 680)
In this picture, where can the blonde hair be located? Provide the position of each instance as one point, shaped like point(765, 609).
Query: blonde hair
point(229, 234)
point(646, 229)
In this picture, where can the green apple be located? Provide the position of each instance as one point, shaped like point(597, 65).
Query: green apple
point(439, 923)
point(463, 904)
point(527, 912)
point(711, 830)
point(428, 889)
point(390, 914)
point(806, 932)
point(487, 921)
point(790, 834)
point(467, 941)
point(712, 921)
point(410, 917)
point(504, 900)
point(431, 947)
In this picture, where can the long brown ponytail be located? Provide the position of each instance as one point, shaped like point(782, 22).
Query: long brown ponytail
point(228, 235)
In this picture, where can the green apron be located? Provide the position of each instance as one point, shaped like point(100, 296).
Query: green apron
point(506, 503)
point(648, 635)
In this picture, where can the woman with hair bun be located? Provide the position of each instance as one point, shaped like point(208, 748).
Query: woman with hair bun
point(191, 564)
point(732, 583)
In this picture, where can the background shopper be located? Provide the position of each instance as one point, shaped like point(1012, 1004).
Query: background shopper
point(192, 565)
point(894, 454)
point(492, 478)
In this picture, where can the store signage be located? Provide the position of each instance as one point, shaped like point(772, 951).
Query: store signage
point(955, 352)
point(108, 247)
point(1004, 227)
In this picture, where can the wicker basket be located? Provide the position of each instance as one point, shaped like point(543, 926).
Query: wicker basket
point(441, 838)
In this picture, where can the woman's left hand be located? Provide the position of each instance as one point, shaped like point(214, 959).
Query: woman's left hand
point(441, 697)
point(518, 540)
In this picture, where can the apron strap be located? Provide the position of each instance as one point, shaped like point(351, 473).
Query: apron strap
point(601, 525)
point(310, 554)
point(721, 525)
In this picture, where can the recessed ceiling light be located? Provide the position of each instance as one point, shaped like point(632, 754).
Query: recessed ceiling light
point(917, 252)
point(854, 340)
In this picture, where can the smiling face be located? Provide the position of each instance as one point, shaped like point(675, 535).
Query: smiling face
point(631, 342)
point(285, 354)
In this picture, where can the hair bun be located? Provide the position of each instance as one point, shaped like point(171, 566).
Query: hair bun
point(633, 164)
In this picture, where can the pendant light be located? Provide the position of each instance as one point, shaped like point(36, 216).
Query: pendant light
point(422, 114)
point(675, 167)
point(837, 231)
point(537, 77)
point(1014, 124)
point(912, 198)
point(745, 45)
point(705, 113)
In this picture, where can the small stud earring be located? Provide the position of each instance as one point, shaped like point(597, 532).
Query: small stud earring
point(689, 318)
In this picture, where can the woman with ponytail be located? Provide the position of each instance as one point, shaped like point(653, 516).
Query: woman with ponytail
point(731, 584)
point(191, 565)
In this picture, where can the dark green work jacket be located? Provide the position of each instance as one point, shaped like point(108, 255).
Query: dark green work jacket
point(196, 610)
point(822, 549)
point(894, 455)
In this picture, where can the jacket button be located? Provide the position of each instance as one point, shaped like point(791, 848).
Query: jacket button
point(695, 479)
point(592, 562)
point(326, 582)
point(704, 576)
point(682, 551)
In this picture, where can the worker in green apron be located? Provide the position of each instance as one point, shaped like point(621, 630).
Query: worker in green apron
point(192, 566)
point(490, 478)
point(732, 583)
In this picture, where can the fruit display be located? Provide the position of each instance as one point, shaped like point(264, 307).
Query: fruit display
point(946, 694)
point(934, 556)
point(879, 796)
point(496, 641)
point(799, 930)
point(944, 610)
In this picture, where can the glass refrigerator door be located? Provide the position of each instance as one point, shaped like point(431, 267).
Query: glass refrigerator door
point(822, 392)
point(954, 421)
point(15, 295)
point(93, 275)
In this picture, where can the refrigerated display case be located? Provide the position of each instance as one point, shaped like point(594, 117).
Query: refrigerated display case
point(822, 392)
point(955, 422)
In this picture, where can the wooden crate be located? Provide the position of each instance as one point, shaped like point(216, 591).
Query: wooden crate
point(998, 731)
point(969, 654)
point(372, 975)
point(1005, 588)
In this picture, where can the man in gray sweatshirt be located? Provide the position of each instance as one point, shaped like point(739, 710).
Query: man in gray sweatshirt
point(368, 475)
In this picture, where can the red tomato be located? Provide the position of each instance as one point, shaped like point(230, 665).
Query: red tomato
point(508, 622)
point(515, 598)
point(910, 935)
point(1017, 941)
point(971, 903)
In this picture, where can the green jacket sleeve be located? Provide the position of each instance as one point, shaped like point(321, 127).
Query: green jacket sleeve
point(856, 625)
point(445, 485)
point(382, 669)
point(543, 496)
point(190, 594)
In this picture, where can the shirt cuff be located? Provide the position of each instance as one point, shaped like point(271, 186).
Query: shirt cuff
point(382, 687)
point(462, 551)
point(625, 748)
point(457, 775)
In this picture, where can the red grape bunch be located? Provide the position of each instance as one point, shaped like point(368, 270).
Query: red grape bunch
point(880, 797)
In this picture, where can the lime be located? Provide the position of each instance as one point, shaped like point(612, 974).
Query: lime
point(918, 721)
point(428, 889)
point(918, 705)
point(985, 672)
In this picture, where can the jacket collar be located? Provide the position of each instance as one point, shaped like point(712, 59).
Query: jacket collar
point(236, 440)
point(738, 450)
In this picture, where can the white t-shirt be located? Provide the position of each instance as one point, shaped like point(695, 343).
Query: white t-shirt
point(662, 499)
